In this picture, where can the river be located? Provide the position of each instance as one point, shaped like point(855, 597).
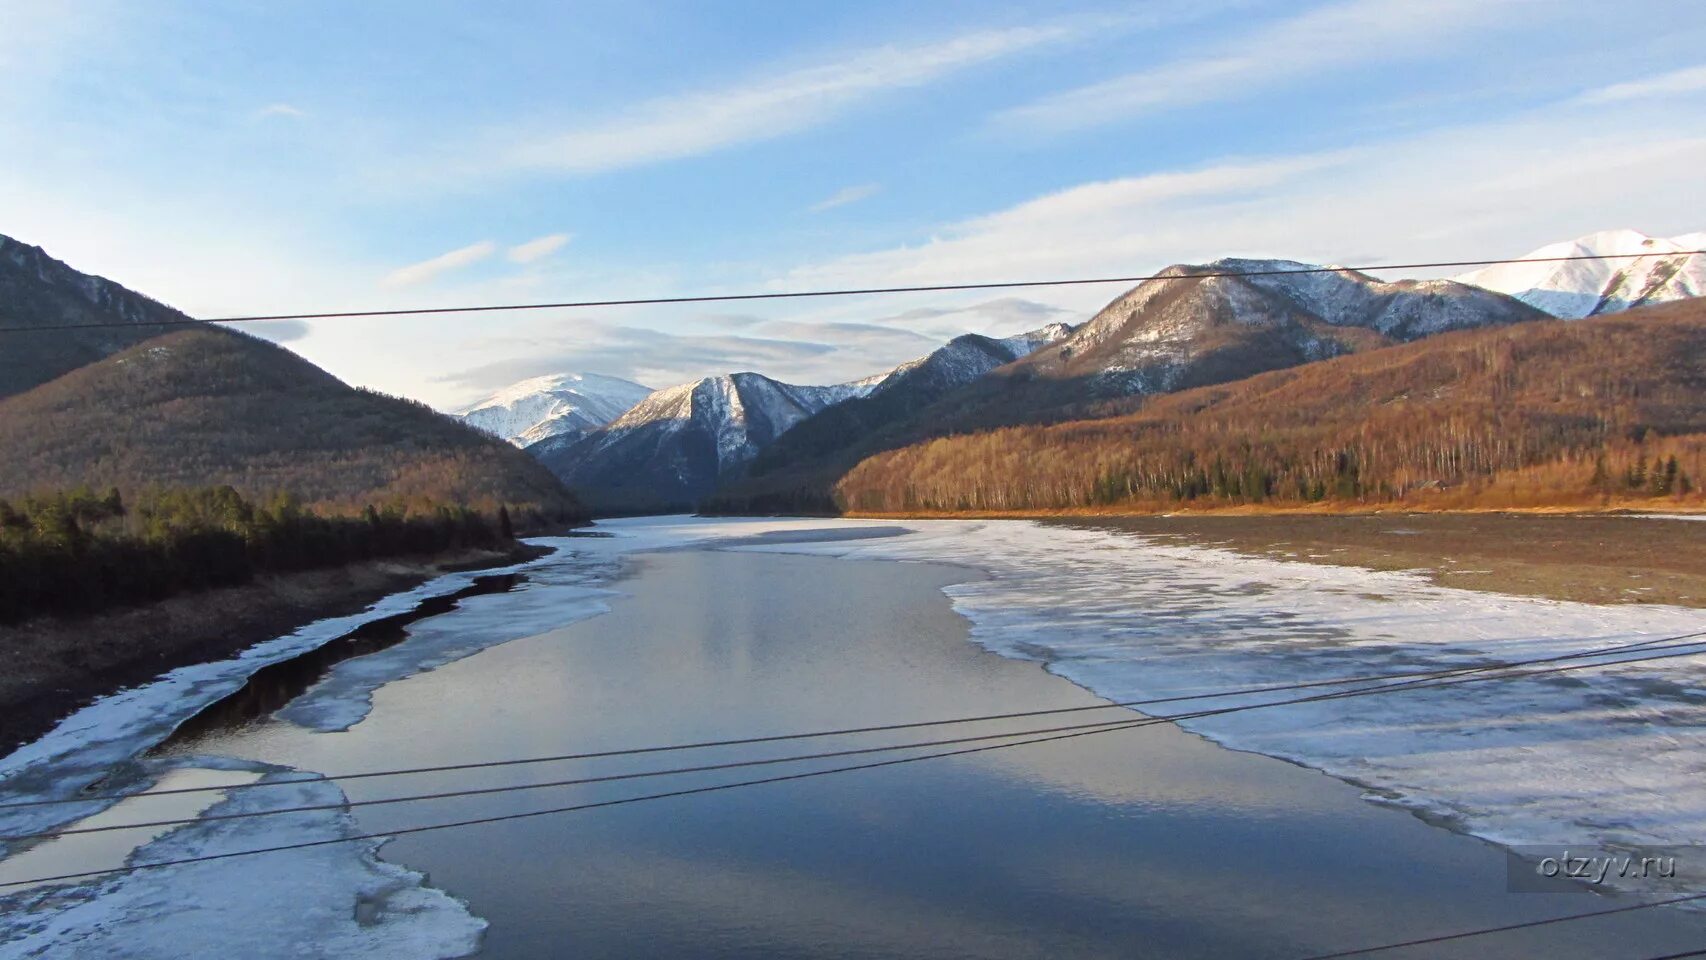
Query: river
point(1141, 843)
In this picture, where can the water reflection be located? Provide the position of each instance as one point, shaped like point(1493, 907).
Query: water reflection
point(1140, 843)
point(275, 685)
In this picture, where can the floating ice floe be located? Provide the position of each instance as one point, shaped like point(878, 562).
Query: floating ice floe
point(334, 899)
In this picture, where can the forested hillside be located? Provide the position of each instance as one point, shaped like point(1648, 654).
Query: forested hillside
point(1571, 413)
point(39, 291)
point(209, 406)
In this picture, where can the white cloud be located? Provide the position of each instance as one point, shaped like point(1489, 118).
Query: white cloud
point(1686, 80)
point(280, 110)
point(1102, 222)
point(784, 103)
point(537, 248)
point(844, 196)
point(426, 270)
point(1345, 34)
point(641, 354)
point(1001, 317)
point(1463, 192)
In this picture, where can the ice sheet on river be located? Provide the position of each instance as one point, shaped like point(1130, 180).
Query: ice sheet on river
point(334, 900)
point(553, 595)
point(1613, 757)
point(217, 904)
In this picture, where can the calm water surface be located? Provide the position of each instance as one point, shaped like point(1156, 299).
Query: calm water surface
point(1148, 843)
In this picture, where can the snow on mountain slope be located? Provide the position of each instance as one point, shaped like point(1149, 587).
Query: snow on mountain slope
point(548, 406)
point(1582, 288)
point(1033, 340)
point(967, 357)
point(1175, 332)
point(834, 438)
point(673, 446)
point(676, 445)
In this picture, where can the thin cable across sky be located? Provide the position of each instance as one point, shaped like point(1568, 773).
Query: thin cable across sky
point(847, 292)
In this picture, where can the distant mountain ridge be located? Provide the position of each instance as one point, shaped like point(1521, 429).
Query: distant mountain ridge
point(1573, 289)
point(554, 405)
point(1174, 332)
point(682, 443)
point(909, 388)
point(673, 446)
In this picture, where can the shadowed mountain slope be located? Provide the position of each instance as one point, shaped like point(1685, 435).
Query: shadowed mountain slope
point(208, 406)
point(37, 290)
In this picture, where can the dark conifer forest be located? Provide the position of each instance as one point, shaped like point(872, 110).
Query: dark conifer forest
point(81, 552)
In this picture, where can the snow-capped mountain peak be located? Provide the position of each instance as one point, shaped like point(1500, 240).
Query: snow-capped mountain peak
point(553, 405)
point(742, 411)
point(675, 444)
point(1642, 270)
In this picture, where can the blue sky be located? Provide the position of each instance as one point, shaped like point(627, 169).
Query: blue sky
point(263, 157)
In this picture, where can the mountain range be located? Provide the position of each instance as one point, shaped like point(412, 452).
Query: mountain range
point(762, 446)
point(1603, 410)
point(120, 394)
point(680, 444)
point(676, 444)
point(1190, 326)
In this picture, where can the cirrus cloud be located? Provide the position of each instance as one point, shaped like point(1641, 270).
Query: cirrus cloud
point(537, 249)
point(417, 273)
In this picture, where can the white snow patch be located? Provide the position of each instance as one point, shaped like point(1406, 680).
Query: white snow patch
point(556, 405)
point(1666, 270)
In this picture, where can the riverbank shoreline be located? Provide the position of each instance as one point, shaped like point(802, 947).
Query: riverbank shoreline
point(1579, 555)
point(57, 665)
point(1586, 558)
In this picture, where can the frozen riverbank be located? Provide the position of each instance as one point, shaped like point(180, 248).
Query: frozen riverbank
point(336, 899)
point(1610, 758)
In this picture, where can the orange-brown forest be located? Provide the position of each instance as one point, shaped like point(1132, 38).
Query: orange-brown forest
point(1579, 413)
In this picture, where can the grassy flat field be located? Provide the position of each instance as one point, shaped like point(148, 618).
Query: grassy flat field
point(1595, 558)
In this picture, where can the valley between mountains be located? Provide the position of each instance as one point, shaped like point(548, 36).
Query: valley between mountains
point(1238, 383)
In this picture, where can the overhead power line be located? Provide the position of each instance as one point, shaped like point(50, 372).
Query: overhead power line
point(846, 292)
point(1455, 678)
point(1653, 643)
